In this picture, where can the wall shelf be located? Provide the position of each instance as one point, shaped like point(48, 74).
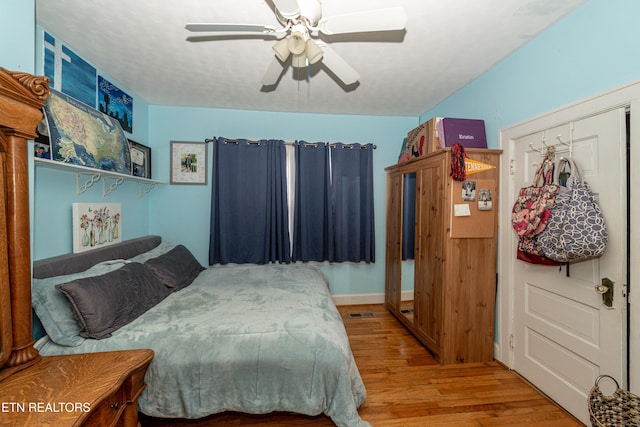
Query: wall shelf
point(86, 177)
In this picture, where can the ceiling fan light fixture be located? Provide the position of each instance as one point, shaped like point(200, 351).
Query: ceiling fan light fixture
point(296, 42)
point(313, 51)
point(299, 61)
point(281, 49)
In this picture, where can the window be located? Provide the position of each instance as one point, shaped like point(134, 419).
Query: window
point(258, 186)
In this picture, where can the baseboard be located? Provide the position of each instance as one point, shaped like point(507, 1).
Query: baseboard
point(358, 299)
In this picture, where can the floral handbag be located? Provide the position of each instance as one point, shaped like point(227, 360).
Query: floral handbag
point(576, 229)
point(534, 203)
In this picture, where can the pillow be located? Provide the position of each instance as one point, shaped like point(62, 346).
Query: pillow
point(53, 309)
point(161, 249)
point(103, 304)
point(176, 269)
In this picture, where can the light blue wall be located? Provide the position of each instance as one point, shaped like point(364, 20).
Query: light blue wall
point(17, 19)
point(589, 51)
point(181, 212)
point(55, 190)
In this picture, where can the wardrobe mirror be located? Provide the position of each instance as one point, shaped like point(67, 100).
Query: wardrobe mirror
point(408, 239)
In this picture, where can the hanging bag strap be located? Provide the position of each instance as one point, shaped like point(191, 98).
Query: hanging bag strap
point(575, 170)
point(567, 165)
point(544, 173)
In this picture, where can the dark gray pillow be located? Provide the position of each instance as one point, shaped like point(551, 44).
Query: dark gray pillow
point(176, 268)
point(103, 304)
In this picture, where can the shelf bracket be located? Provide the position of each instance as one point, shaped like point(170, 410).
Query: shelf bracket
point(109, 188)
point(92, 179)
point(86, 177)
point(145, 188)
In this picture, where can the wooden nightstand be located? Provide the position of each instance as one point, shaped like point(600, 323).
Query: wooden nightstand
point(93, 389)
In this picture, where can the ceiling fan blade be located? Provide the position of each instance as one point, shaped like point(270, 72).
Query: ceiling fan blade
point(273, 73)
point(231, 28)
point(389, 19)
point(339, 66)
point(287, 8)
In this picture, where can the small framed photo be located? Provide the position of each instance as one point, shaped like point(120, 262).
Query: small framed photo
point(469, 191)
point(188, 163)
point(42, 148)
point(140, 160)
point(484, 200)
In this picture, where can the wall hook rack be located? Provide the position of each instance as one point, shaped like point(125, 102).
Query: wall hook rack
point(543, 146)
point(567, 143)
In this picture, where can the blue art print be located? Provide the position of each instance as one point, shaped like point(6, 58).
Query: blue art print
point(115, 103)
point(69, 73)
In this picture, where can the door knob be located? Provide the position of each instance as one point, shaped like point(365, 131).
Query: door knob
point(606, 290)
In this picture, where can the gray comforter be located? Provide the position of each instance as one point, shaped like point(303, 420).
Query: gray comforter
point(253, 339)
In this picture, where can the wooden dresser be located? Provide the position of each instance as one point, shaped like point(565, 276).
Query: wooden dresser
point(440, 278)
point(94, 389)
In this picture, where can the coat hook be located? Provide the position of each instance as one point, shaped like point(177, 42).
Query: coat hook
point(570, 142)
point(542, 148)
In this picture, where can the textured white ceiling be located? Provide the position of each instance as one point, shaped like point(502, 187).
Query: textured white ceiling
point(143, 46)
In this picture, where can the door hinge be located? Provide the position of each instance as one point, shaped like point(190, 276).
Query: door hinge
point(512, 343)
point(512, 167)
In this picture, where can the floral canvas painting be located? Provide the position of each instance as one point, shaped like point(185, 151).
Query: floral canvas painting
point(96, 225)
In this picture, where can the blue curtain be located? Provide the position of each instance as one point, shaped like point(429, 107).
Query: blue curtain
point(334, 219)
point(311, 208)
point(249, 220)
point(352, 192)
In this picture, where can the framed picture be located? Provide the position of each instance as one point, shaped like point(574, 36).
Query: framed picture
point(140, 160)
point(188, 163)
point(42, 147)
point(95, 225)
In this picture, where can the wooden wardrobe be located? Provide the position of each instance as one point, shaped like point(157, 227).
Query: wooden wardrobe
point(440, 278)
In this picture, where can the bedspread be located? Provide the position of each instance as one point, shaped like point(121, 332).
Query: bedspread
point(252, 339)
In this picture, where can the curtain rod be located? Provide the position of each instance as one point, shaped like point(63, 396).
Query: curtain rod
point(307, 144)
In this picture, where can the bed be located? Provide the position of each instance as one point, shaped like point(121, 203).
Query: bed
point(253, 339)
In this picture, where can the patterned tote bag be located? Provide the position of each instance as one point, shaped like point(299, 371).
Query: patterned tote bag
point(534, 203)
point(576, 229)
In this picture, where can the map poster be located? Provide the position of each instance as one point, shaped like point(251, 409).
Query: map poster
point(84, 136)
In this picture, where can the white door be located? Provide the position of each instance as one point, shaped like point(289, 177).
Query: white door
point(563, 334)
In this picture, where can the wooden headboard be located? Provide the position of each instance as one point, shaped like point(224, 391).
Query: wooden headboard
point(22, 98)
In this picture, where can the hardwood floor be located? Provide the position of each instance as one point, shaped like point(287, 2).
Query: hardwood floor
point(406, 387)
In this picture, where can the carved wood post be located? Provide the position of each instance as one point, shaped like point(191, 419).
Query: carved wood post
point(22, 97)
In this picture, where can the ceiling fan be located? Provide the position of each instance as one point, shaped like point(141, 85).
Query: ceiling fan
point(302, 23)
